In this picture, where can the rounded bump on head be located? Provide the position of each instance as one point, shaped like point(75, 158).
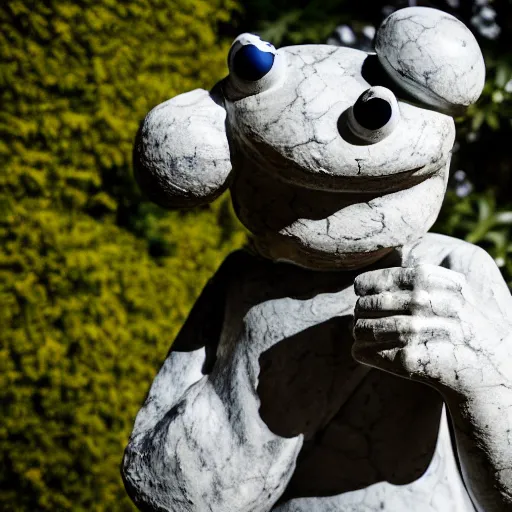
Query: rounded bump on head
point(433, 56)
point(181, 154)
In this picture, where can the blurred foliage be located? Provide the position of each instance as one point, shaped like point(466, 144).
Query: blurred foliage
point(285, 22)
point(484, 215)
point(477, 220)
point(94, 280)
point(482, 149)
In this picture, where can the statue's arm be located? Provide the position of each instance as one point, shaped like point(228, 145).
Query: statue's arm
point(198, 442)
point(450, 326)
point(481, 406)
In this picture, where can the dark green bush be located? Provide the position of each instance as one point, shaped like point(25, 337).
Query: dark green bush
point(94, 281)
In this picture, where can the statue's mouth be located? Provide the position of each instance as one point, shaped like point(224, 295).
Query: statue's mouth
point(359, 188)
point(366, 224)
point(368, 187)
point(364, 180)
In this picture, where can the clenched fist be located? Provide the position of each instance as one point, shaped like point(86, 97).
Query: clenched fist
point(425, 323)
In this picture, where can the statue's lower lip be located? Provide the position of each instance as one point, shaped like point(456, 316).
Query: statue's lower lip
point(386, 183)
point(362, 186)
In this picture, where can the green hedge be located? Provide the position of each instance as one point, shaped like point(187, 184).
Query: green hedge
point(94, 281)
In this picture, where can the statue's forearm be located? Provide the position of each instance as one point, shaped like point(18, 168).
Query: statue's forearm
point(208, 452)
point(483, 429)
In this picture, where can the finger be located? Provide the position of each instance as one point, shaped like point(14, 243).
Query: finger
point(401, 330)
point(441, 303)
point(384, 304)
point(408, 278)
point(386, 279)
point(395, 328)
point(434, 273)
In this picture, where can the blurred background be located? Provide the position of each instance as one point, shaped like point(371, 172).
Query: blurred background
point(95, 281)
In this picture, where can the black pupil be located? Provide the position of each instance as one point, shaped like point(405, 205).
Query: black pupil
point(373, 113)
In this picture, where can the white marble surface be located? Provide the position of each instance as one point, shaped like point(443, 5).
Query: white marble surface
point(308, 190)
point(286, 420)
point(317, 372)
point(181, 155)
point(433, 56)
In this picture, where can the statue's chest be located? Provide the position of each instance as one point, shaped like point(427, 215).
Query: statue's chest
point(297, 338)
point(305, 367)
point(361, 426)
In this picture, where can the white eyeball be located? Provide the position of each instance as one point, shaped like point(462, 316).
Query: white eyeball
point(254, 66)
point(374, 115)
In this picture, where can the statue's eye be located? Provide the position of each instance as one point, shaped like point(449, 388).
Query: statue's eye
point(254, 66)
point(375, 115)
point(251, 64)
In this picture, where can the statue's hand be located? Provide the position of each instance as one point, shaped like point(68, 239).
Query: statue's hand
point(425, 323)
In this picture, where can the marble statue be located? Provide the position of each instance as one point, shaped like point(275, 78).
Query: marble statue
point(348, 360)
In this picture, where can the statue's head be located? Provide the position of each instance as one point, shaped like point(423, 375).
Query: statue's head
point(333, 156)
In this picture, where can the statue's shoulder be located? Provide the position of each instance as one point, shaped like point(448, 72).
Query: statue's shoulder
point(472, 261)
point(446, 251)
